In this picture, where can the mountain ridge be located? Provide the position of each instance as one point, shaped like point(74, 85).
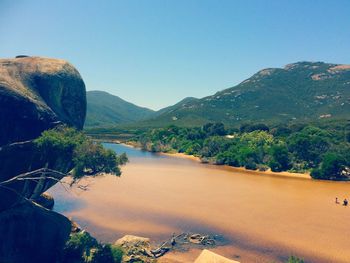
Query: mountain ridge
point(104, 108)
point(300, 91)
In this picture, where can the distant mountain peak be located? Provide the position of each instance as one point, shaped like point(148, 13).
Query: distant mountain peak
point(298, 91)
point(105, 109)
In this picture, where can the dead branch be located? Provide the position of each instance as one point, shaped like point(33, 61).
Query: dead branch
point(28, 175)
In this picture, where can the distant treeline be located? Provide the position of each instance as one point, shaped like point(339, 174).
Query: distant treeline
point(324, 150)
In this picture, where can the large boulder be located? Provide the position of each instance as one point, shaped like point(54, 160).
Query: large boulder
point(22, 157)
point(30, 233)
point(36, 94)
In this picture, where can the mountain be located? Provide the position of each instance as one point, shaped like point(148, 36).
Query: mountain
point(181, 103)
point(300, 91)
point(104, 109)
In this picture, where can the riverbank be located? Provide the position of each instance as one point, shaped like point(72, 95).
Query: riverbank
point(231, 168)
point(242, 169)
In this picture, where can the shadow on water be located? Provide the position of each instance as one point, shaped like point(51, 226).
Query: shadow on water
point(65, 200)
point(132, 152)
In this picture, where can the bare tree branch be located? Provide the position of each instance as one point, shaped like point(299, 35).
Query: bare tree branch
point(42, 171)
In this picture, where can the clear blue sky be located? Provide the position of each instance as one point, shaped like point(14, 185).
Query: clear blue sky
point(156, 52)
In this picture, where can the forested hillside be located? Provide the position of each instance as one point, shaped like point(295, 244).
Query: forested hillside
point(301, 91)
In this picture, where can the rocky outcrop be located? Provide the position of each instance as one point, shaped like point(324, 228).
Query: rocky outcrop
point(30, 233)
point(36, 94)
point(137, 249)
point(19, 158)
point(45, 200)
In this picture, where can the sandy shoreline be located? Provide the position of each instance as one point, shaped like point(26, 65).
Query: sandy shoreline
point(231, 168)
point(242, 169)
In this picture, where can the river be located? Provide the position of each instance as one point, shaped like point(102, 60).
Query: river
point(263, 218)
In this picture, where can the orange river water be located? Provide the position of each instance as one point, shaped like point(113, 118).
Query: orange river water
point(263, 218)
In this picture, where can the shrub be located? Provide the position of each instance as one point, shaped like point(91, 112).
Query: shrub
point(117, 253)
point(103, 254)
point(253, 127)
point(82, 248)
point(250, 164)
point(279, 158)
point(78, 247)
point(214, 129)
point(331, 167)
point(293, 259)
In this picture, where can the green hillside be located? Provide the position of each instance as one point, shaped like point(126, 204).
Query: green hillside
point(301, 91)
point(104, 109)
point(181, 103)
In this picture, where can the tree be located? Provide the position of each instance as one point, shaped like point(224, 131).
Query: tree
point(331, 167)
point(228, 157)
point(195, 134)
point(281, 131)
point(248, 157)
point(279, 158)
point(257, 143)
point(213, 145)
point(64, 151)
point(309, 145)
point(214, 129)
point(253, 127)
point(91, 158)
point(86, 156)
point(347, 137)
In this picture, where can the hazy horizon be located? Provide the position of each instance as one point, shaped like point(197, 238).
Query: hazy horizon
point(155, 53)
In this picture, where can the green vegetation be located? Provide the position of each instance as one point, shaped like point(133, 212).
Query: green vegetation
point(85, 156)
point(293, 259)
point(321, 149)
point(82, 248)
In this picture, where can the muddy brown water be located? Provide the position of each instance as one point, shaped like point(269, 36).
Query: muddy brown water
point(263, 218)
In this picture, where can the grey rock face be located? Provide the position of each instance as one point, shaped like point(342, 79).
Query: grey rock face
point(30, 233)
point(36, 94)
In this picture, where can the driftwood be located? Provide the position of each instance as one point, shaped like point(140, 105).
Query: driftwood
point(159, 251)
point(181, 240)
point(203, 240)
